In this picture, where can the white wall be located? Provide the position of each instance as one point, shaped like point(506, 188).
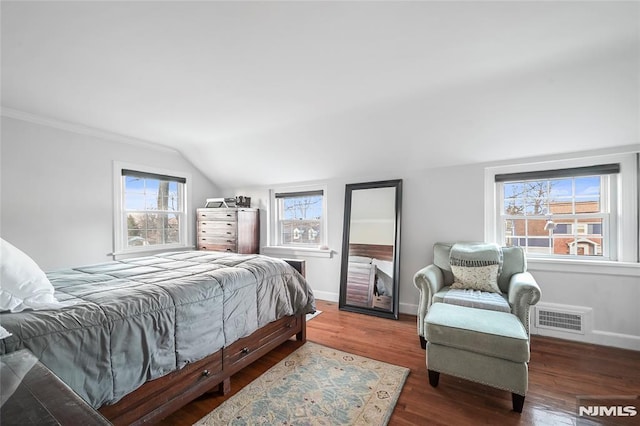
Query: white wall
point(57, 190)
point(447, 204)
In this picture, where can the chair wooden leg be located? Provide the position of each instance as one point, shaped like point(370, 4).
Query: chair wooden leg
point(423, 342)
point(434, 377)
point(518, 402)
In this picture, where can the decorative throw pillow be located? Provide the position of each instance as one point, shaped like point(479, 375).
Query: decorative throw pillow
point(483, 278)
point(476, 266)
point(23, 285)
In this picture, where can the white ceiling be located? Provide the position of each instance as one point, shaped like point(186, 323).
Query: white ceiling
point(268, 92)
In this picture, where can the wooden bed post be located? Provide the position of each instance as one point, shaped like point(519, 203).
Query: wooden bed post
point(302, 334)
point(300, 265)
point(225, 387)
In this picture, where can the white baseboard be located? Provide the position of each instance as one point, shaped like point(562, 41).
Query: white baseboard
point(596, 337)
point(326, 295)
point(404, 308)
point(408, 308)
point(618, 340)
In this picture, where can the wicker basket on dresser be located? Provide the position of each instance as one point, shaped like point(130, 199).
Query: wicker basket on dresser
point(235, 230)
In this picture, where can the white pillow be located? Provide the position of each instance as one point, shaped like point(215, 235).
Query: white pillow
point(4, 333)
point(23, 285)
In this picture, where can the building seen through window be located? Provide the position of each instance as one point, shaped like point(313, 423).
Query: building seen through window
point(299, 218)
point(564, 216)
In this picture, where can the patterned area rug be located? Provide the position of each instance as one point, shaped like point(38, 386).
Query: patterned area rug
point(315, 385)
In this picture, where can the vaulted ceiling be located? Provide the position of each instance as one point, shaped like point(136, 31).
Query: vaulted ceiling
point(269, 92)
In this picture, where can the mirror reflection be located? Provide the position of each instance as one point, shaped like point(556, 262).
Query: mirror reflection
point(369, 281)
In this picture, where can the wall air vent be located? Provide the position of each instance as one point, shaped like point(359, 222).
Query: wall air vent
point(561, 320)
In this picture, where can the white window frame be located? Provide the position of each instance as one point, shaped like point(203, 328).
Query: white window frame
point(275, 246)
point(120, 223)
point(623, 217)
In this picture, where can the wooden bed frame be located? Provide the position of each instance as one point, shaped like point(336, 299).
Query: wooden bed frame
point(158, 398)
point(361, 281)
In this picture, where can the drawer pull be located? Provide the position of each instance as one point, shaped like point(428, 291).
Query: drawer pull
point(229, 224)
point(289, 325)
point(244, 351)
point(206, 373)
point(229, 249)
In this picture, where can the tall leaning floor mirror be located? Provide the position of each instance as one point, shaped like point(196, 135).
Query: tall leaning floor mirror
point(369, 278)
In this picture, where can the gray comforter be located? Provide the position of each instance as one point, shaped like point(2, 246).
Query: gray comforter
point(136, 320)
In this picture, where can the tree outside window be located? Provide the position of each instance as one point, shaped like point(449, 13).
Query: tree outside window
point(563, 216)
point(154, 209)
point(300, 218)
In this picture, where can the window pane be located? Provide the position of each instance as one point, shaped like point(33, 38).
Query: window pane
point(535, 189)
point(147, 200)
point(561, 189)
point(563, 228)
point(307, 207)
point(300, 232)
point(136, 221)
point(139, 238)
point(535, 227)
point(172, 234)
point(513, 207)
point(513, 190)
point(515, 227)
point(134, 201)
point(301, 221)
point(569, 203)
point(588, 194)
point(588, 187)
point(535, 206)
point(538, 245)
point(561, 207)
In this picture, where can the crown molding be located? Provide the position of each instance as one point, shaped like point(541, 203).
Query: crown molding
point(81, 129)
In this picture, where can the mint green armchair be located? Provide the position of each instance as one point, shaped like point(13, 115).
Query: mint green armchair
point(518, 286)
point(478, 335)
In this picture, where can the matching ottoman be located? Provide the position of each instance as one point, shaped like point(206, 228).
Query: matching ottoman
point(483, 346)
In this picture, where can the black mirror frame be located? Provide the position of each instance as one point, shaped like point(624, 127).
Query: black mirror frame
point(394, 312)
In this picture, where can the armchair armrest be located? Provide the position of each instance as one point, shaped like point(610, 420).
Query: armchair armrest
point(429, 280)
point(524, 292)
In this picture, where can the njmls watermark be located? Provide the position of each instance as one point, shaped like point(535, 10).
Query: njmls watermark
point(609, 409)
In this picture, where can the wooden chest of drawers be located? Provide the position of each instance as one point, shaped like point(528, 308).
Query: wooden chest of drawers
point(235, 230)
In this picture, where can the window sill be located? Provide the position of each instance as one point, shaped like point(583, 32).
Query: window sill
point(297, 251)
point(600, 267)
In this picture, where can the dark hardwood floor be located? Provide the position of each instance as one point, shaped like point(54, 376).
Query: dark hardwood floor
point(559, 371)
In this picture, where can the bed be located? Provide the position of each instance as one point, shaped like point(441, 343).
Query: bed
point(142, 337)
point(370, 276)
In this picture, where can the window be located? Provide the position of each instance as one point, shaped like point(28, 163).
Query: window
point(585, 210)
point(151, 210)
point(299, 218)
